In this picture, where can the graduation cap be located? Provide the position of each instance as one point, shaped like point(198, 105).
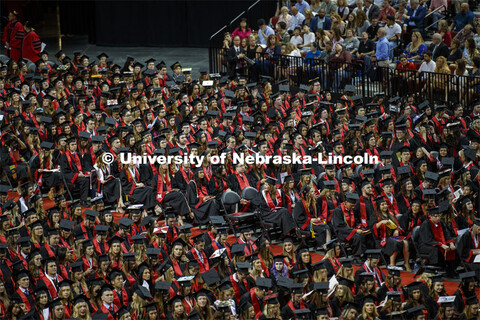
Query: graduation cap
point(446, 301)
point(210, 277)
point(394, 270)
point(143, 293)
point(91, 214)
point(352, 197)
point(263, 283)
point(301, 274)
point(321, 286)
point(373, 253)
point(467, 276)
point(431, 176)
point(429, 193)
point(302, 313)
point(125, 223)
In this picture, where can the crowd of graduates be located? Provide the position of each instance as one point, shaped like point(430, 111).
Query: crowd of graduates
point(86, 238)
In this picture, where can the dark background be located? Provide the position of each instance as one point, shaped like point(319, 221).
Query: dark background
point(139, 23)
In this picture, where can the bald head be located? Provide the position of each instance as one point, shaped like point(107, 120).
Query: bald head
point(381, 32)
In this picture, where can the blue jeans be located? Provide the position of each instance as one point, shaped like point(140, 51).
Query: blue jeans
point(437, 16)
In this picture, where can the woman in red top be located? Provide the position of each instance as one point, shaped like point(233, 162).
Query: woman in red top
point(31, 44)
point(243, 31)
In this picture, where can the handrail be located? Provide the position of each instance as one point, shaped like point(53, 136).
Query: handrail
point(234, 19)
point(442, 6)
point(220, 30)
point(253, 5)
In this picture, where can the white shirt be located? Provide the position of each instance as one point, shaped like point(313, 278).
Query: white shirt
point(296, 21)
point(296, 40)
point(392, 30)
point(427, 67)
point(309, 38)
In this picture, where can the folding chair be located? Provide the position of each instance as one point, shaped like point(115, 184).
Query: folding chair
point(235, 219)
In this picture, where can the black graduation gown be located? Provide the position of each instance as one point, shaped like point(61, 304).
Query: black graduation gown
point(70, 171)
point(428, 245)
point(144, 195)
point(21, 167)
point(49, 179)
point(174, 199)
point(179, 181)
point(301, 217)
point(111, 188)
point(235, 185)
point(346, 233)
point(280, 217)
point(216, 187)
point(465, 247)
point(202, 210)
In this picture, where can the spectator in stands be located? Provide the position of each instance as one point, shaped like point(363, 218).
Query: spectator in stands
point(361, 22)
point(438, 48)
point(373, 30)
point(315, 5)
point(337, 22)
point(264, 31)
point(297, 39)
point(284, 17)
point(463, 35)
point(321, 21)
point(308, 16)
point(327, 53)
point(336, 36)
point(311, 58)
point(351, 42)
point(283, 33)
point(403, 71)
point(281, 4)
point(443, 30)
point(351, 21)
point(301, 5)
point(415, 16)
point(386, 11)
point(474, 83)
point(340, 61)
point(342, 9)
point(428, 65)
point(328, 6)
point(358, 6)
point(394, 32)
point(401, 13)
point(293, 51)
point(464, 17)
point(366, 49)
point(243, 31)
point(308, 38)
point(440, 13)
point(297, 19)
point(455, 52)
point(382, 50)
point(470, 50)
point(235, 57)
point(322, 38)
point(372, 10)
point(416, 48)
point(441, 67)
point(476, 37)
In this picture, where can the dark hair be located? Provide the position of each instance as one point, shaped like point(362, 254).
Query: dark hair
point(282, 25)
point(260, 22)
point(476, 61)
point(392, 18)
point(428, 53)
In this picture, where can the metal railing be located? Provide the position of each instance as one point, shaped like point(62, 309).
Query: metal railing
point(369, 79)
point(445, 12)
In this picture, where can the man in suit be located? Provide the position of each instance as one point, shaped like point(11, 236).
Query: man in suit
point(235, 57)
point(415, 16)
point(321, 21)
point(372, 10)
point(438, 47)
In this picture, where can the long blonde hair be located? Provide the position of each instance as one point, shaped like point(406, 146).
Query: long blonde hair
point(445, 68)
point(418, 43)
point(76, 315)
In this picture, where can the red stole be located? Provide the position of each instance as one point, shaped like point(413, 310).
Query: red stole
point(176, 267)
point(243, 181)
point(309, 216)
point(203, 265)
point(290, 304)
point(269, 200)
point(160, 191)
point(349, 216)
point(236, 288)
point(440, 237)
point(116, 298)
point(24, 298)
point(255, 302)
